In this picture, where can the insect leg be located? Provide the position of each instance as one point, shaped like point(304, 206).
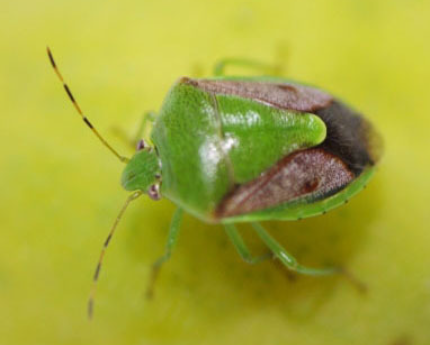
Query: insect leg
point(141, 133)
point(170, 245)
point(275, 69)
point(241, 247)
point(219, 69)
point(287, 259)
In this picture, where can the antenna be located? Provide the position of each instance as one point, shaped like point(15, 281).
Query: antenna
point(102, 254)
point(78, 109)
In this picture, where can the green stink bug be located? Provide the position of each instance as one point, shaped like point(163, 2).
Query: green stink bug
point(247, 149)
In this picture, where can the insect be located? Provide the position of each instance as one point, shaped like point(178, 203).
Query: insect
point(246, 149)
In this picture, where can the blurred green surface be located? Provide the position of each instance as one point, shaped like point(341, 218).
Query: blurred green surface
point(60, 188)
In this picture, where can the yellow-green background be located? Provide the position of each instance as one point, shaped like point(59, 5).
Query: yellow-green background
point(60, 192)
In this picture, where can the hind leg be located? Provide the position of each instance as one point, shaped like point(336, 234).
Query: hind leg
point(287, 259)
point(277, 68)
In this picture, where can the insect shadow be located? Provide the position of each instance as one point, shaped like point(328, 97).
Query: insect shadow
point(206, 269)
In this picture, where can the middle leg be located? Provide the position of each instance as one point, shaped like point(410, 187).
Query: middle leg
point(241, 247)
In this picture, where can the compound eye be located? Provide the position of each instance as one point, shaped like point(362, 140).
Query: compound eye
point(141, 145)
point(154, 192)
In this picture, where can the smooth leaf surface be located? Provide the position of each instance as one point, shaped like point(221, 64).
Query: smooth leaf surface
point(60, 189)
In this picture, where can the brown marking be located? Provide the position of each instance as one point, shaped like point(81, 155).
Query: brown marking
point(280, 95)
point(89, 124)
point(310, 186)
point(287, 87)
point(309, 172)
point(69, 93)
point(51, 58)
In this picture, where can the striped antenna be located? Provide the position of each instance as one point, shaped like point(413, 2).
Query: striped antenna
point(102, 254)
point(78, 109)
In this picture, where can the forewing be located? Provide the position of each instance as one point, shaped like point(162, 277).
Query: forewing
point(311, 173)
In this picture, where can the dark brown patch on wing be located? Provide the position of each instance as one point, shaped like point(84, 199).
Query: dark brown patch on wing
point(304, 173)
point(350, 137)
point(281, 95)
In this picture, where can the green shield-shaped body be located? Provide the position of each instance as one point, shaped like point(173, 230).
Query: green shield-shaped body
point(241, 149)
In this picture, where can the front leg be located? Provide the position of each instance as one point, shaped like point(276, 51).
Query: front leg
point(172, 238)
point(142, 130)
